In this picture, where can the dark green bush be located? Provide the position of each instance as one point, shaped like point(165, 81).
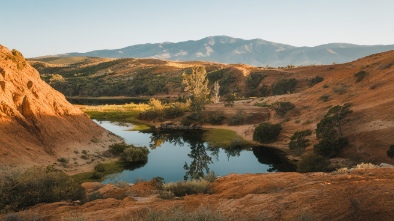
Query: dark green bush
point(135, 154)
point(330, 148)
point(315, 80)
point(298, 141)
point(329, 131)
point(360, 76)
point(266, 132)
point(215, 118)
point(173, 112)
point(99, 168)
point(281, 108)
point(284, 86)
point(264, 91)
point(312, 163)
point(37, 185)
point(237, 119)
point(117, 148)
point(390, 152)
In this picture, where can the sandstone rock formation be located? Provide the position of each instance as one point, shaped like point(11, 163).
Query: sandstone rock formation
point(37, 124)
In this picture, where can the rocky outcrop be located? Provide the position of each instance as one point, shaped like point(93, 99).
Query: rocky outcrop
point(37, 124)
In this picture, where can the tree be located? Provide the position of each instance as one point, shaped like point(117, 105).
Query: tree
point(216, 96)
point(281, 108)
point(298, 141)
point(312, 163)
point(196, 84)
point(266, 132)
point(230, 98)
point(390, 152)
point(329, 131)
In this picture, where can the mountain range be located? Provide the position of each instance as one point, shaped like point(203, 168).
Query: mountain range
point(256, 52)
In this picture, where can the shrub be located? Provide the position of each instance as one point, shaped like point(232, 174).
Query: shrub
point(360, 76)
point(298, 141)
point(215, 118)
point(281, 108)
point(329, 131)
point(99, 168)
point(315, 80)
point(312, 163)
point(340, 89)
point(166, 194)
point(330, 148)
point(284, 86)
point(264, 91)
point(325, 97)
point(266, 132)
point(173, 111)
point(117, 148)
point(135, 154)
point(390, 151)
point(237, 119)
point(230, 98)
point(37, 185)
point(187, 187)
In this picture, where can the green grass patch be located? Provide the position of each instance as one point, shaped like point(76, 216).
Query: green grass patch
point(141, 127)
point(109, 168)
point(223, 138)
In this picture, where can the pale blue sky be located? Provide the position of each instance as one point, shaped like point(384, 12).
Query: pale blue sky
point(44, 27)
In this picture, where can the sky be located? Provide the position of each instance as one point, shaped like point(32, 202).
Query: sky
point(48, 27)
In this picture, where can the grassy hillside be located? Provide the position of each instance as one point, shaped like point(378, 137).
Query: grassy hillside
point(95, 77)
point(367, 84)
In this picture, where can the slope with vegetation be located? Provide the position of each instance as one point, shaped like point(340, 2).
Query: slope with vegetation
point(37, 124)
point(295, 97)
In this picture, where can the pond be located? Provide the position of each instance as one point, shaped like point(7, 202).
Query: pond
point(179, 155)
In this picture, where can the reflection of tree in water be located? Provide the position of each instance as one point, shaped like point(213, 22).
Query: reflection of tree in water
point(198, 151)
point(273, 158)
point(199, 155)
point(157, 139)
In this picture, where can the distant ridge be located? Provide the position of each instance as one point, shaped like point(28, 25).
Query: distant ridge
point(256, 52)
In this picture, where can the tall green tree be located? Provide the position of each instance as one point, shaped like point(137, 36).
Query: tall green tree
point(196, 83)
point(329, 131)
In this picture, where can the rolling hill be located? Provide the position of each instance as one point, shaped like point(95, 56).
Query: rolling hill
point(256, 52)
point(315, 90)
point(37, 124)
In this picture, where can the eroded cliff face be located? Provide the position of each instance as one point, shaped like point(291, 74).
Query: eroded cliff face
point(37, 124)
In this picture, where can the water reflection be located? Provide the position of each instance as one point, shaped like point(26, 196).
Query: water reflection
point(177, 155)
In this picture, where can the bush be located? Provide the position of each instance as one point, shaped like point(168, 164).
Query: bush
point(37, 185)
point(281, 108)
point(284, 86)
point(298, 141)
point(187, 187)
point(266, 132)
point(315, 80)
point(390, 152)
point(237, 119)
point(360, 76)
point(325, 97)
point(312, 163)
point(330, 148)
point(117, 148)
point(173, 111)
point(135, 154)
point(215, 118)
point(99, 168)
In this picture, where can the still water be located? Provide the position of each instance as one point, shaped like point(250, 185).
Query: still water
point(176, 156)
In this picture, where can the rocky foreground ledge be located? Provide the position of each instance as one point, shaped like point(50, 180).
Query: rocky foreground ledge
point(357, 194)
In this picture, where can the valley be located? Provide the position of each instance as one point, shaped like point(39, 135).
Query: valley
point(39, 127)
